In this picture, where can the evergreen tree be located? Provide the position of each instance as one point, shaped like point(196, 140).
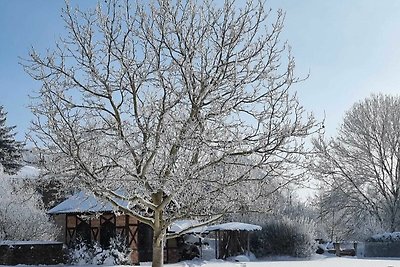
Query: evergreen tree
point(10, 149)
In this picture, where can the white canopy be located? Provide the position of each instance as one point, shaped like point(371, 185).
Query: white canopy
point(183, 225)
point(234, 226)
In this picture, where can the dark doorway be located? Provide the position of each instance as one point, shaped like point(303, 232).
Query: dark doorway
point(83, 232)
point(107, 231)
point(145, 240)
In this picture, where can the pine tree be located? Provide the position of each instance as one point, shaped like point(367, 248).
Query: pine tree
point(10, 149)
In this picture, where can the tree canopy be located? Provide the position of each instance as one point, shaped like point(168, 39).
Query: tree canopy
point(361, 165)
point(186, 105)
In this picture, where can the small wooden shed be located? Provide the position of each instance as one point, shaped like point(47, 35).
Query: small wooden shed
point(84, 217)
point(232, 238)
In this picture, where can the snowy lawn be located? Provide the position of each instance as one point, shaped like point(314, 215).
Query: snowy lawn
point(320, 261)
point(328, 262)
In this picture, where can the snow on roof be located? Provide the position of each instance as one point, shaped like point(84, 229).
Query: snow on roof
point(83, 202)
point(24, 173)
point(33, 242)
point(234, 226)
point(182, 225)
point(28, 172)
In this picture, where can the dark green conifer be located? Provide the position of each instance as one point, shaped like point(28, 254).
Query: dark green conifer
point(10, 149)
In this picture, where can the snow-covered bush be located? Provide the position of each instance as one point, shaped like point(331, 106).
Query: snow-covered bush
point(81, 254)
point(284, 237)
point(116, 254)
point(22, 215)
point(385, 237)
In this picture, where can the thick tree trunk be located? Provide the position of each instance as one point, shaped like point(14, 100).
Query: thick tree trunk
point(158, 253)
point(158, 233)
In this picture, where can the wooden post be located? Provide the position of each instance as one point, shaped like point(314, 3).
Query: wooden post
point(201, 248)
point(248, 243)
point(66, 230)
point(337, 248)
point(216, 243)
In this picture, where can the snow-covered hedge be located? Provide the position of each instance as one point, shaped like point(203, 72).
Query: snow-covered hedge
point(284, 237)
point(385, 237)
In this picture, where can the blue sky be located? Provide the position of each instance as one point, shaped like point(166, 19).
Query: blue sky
point(351, 49)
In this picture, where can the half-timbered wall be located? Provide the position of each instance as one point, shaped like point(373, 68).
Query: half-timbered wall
point(101, 228)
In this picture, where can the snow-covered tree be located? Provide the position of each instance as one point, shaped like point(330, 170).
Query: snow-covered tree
point(343, 219)
point(22, 216)
point(361, 166)
point(185, 105)
point(10, 149)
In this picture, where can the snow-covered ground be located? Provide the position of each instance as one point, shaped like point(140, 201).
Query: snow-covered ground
point(315, 262)
point(318, 261)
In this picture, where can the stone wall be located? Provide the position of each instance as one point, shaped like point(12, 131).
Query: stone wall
point(381, 249)
point(31, 252)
